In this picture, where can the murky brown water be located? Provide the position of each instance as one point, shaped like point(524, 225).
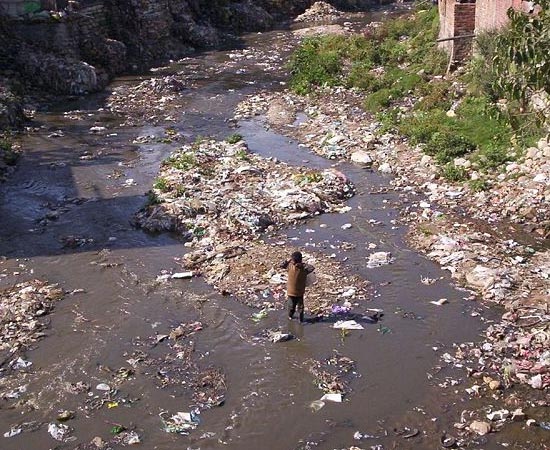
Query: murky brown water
point(269, 387)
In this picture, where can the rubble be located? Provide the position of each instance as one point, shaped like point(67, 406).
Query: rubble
point(241, 196)
point(23, 311)
point(319, 11)
point(332, 374)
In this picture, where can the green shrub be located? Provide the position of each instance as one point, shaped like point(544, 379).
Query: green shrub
point(161, 184)
point(182, 161)
point(454, 173)
point(478, 185)
point(153, 199)
point(492, 157)
point(377, 100)
point(422, 125)
point(234, 138)
point(316, 62)
point(435, 94)
point(446, 146)
point(361, 77)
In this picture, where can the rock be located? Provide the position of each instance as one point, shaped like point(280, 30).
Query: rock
point(536, 382)
point(426, 160)
point(518, 415)
point(361, 157)
point(531, 153)
point(481, 277)
point(494, 385)
point(480, 427)
point(385, 168)
point(540, 178)
point(462, 162)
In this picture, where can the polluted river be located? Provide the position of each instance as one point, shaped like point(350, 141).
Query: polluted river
point(106, 364)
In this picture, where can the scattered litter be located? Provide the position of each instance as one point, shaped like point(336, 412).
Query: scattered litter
point(20, 364)
point(59, 432)
point(348, 325)
point(379, 259)
point(332, 397)
point(439, 302)
point(346, 226)
point(13, 432)
point(256, 317)
point(279, 336)
point(316, 405)
point(179, 275)
point(181, 422)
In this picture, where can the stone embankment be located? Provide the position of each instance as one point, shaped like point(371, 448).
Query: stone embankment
point(78, 49)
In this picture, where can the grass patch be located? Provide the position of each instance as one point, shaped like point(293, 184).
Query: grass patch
point(234, 138)
point(183, 161)
point(454, 173)
point(308, 177)
point(7, 153)
point(161, 184)
point(478, 185)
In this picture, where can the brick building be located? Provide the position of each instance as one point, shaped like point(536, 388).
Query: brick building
point(461, 19)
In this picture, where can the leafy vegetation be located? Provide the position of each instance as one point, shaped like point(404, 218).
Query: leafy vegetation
point(7, 153)
point(183, 161)
point(481, 113)
point(234, 138)
point(161, 184)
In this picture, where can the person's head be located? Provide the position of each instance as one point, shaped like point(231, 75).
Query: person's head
point(296, 257)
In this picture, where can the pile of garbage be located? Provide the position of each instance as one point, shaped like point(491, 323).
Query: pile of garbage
point(149, 100)
point(332, 374)
point(22, 314)
point(216, 192)
point(319, 11)
point(250, 273)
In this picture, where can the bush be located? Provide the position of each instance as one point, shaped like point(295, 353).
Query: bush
point(316, 62)
point(183, 161)
point(161, 184)
point(422, 125)
point(234, 138)
point(454, 173)
point(478, 185)
point(445, 146)
point(377, 100)
point(493, 157)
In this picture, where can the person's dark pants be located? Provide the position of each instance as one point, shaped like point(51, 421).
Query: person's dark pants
point(296, 303)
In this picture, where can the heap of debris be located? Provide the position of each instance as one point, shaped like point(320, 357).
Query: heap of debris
point(22, 315)
point(319, 12)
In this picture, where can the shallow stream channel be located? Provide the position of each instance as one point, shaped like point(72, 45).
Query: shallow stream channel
point(83, 188)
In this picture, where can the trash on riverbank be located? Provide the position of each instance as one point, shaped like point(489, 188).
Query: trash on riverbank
point(23, 311)
point(332, 374)
point(348, 325)
point(181, 422)
point(319, 11)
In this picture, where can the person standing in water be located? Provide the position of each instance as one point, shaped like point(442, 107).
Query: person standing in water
point(296, 284)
